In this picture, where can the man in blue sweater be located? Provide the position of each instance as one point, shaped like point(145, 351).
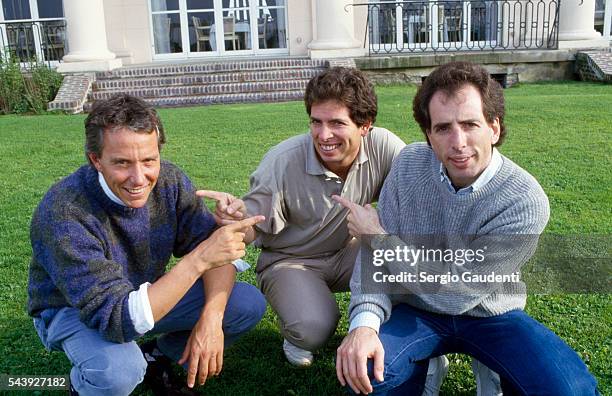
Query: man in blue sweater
point(440, 262)
point(101, 240)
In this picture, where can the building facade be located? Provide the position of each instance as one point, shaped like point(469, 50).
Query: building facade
point(97, 35)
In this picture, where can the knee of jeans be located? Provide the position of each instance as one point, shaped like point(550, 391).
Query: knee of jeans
point(390, 382)
point(572, 386)
point(382, 388)
point(246, 310)
point(310, 333)
point(112, 375)
point(397, 385)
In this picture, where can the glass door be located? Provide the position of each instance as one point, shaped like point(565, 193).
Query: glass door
point(251, 27)
point(483, 18)
point(202, 28)
point(166, 28)
point(416, 20)
point(449, 19)
point(235, 31)
point(271, 26)
point(447, 25)
point(33, 30)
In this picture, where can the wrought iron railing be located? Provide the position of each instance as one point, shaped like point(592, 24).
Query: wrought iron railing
point(42, 41)
point(456, 25)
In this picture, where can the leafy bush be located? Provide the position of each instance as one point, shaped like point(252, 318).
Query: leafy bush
point(24, 91)
point(12, 88)
point(41, 86)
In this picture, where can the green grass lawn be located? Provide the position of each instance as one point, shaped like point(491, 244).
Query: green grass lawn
point(558, 132)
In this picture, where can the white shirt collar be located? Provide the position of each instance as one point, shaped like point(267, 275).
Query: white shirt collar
point(485, 177)
point(109, 193)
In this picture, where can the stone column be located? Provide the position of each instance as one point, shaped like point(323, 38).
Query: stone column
point(334, 30)
point(86, 35)
point(576, 27)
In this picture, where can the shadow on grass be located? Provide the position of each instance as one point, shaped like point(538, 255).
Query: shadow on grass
point(255, 365)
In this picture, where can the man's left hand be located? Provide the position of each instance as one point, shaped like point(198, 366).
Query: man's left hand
point(228, 209)
point(204, 350)
point(362, 220)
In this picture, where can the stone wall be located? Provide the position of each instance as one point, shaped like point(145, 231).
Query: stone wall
point(521, 66)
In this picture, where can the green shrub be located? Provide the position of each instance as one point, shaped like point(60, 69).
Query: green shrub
point(12, 88)
point(41, 85)
point(26, 91)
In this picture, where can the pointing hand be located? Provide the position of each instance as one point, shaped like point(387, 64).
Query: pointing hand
point(362, 220)
point(228, 209)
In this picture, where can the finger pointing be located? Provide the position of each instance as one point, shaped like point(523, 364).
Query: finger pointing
point(216, 195)
point(248, 222)
point(344, 202)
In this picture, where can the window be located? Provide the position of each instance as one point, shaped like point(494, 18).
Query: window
point(33, 30)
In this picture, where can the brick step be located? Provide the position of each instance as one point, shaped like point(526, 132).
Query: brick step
point(207, 78)
point(216, 89)
point(251, 97)
point(210, 67)
point(595, 65)
point(202, 100)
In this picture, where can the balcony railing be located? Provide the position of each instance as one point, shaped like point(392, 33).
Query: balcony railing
point(42, 41)
point(455, 25)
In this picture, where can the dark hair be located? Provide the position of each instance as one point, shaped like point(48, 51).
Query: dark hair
point(348, 86)
point(117, 112)
point(450, 78)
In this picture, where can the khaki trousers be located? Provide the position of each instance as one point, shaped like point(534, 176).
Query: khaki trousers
point(301, 293)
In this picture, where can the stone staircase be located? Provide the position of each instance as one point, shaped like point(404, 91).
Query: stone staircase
point(595, 65)
point(170, 85)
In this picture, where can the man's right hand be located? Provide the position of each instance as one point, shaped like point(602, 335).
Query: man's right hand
point(352, 357)
point(361, 219)
point(225, 245)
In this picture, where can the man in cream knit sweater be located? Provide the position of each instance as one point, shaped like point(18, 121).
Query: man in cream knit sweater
point(439, 267)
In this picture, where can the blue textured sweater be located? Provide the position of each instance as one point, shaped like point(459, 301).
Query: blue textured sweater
point(90, 253)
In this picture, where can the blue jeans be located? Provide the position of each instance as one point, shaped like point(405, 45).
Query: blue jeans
point(101, 367)
point(530, 359)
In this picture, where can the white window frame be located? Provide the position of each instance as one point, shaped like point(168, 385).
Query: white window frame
point(218, 10)
point(36, 25)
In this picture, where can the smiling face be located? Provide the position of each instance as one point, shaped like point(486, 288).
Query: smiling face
point(130, 164)
point(460, 136)
point(336, 137)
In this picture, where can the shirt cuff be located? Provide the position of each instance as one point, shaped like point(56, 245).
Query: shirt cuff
point(140, 309)
point(365, 319)
point(241, 265)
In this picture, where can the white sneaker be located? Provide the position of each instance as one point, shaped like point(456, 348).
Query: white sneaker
point(437, 370)
point(296, 355)
point(487, 380)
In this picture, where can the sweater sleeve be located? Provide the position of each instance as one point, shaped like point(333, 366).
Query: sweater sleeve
point(195, 222)
point(361, 301)
point(68, 244)
point(376, 303)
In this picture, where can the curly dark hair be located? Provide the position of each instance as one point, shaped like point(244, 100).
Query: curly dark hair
point(348, 86)
point(120, 111)
point(450, 78)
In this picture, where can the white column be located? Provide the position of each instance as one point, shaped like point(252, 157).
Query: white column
point(334, 30)
point(86, 34)
point(607, 19)
point(576, 25)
